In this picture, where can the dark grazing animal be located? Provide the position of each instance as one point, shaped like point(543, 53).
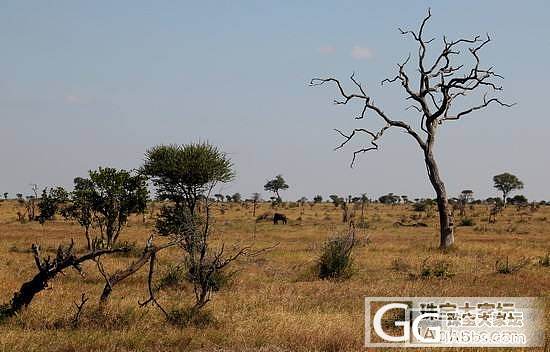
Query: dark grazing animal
point(279, 217)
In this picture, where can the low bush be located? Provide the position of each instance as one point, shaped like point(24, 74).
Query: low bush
point(336, 260)
point(506, 267)
point(466, 222)
point(133, 249)
point(173, 277)
point(399, 265)
point(440, 269)
point(190, 317)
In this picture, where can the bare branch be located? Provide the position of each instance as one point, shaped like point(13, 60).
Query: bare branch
point(368, 104)
point(475, 108)
point(152, 299)
point(79, 308)
point(374, 136)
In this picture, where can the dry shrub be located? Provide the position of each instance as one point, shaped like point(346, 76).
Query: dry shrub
point(504, 266)
point(190, 317)
point(440, 269)
point(399, 265)
point(335, 261)
point(466, 222)
point(172, 277)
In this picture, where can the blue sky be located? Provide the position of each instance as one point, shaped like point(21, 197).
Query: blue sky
point(84, 84)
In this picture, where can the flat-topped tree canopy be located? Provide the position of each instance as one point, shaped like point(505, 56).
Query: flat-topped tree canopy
point(184, 173)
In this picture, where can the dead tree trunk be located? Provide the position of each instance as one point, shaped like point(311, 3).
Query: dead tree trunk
point(446, 227)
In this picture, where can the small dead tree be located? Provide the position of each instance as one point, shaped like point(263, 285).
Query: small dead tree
point(30, 203)
point(79, 307)
point(441, 83)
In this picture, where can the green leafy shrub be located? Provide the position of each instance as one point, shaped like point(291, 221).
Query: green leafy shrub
point(207, 274)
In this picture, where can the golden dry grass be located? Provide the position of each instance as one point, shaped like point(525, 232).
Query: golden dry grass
point(275, 302)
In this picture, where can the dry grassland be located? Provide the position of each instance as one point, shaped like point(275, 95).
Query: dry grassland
point(274, 302)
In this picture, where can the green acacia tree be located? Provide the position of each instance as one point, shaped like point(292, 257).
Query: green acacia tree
point(506, 183)
point(186, 176)
point(113, 195)
point(107, 198)
point(183, 174)
point(50, 201)
point(275, 185)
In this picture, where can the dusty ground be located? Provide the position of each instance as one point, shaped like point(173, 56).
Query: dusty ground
point(275, 301)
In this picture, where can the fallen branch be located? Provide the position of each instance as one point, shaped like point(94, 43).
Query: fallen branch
point(48, 269)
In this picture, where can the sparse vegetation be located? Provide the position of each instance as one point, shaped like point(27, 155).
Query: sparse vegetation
point(440, 269)
point(466, 222)
point(504, 266)
point(199, 266)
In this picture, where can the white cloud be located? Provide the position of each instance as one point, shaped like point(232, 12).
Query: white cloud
point(327, 49)
point(361, 53)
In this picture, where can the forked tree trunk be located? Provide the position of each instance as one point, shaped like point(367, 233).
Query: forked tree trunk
point(446, 225)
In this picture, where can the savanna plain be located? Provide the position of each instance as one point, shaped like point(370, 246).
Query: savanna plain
point(273, 301)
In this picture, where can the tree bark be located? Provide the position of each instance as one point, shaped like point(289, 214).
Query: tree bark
point(446, 225)
point(88, 240)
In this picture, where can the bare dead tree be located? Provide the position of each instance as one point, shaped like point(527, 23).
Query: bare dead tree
point(152, 299)
point(441, 84)
point(79, 307)
point(30, 203)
